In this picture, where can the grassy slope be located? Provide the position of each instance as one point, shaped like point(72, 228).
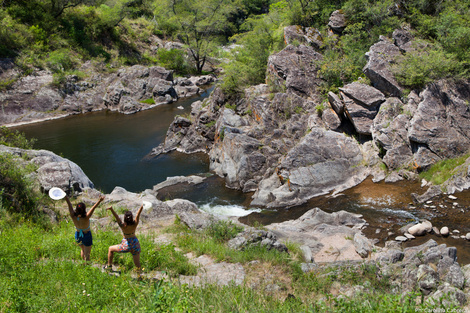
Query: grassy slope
point(40, 270)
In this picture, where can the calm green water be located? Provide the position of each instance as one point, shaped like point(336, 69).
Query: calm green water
point(110, 147)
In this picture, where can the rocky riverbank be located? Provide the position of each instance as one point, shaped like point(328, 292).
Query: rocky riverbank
point(128, 90)
point(325, 239)
point(281, 141)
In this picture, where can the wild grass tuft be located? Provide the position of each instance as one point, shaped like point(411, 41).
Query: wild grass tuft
point(441, 171)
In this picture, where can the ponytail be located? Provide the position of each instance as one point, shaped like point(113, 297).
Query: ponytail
point(128, 218)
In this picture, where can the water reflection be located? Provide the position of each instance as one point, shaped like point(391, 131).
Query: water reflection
point(110, 146)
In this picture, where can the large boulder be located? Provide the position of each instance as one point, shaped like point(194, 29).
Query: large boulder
point(390, 132)
point(429, 267)
point(237, 158)
point(380, 57)
point(440, 128)
point(320, 162)
point(295, 68)
point(337, 22)
point(328, 236)
point(362, 103)
point(53, 170)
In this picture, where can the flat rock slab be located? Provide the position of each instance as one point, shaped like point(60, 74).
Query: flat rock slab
point(222, 274)
point(336, 248)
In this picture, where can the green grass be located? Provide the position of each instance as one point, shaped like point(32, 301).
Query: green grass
point(148, 101)
point(41, 270)
point(441, 171)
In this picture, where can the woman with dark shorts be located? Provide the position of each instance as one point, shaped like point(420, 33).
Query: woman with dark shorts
point(81, 220)
point(129, 243)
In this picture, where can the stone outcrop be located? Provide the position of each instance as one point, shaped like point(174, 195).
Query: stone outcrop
point(52, 170)
point(329, 236)
point(129, 90)
point(380, 57)
point(320, 162)
point(439, 129)
point(362, 102)
point(295, 34)
point(337, 22)
point(255, 237)
point(276, 142)
point(296, 69)
point(431, 268)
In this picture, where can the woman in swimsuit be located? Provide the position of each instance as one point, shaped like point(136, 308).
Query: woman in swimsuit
point(129, 243)
point(81, 220)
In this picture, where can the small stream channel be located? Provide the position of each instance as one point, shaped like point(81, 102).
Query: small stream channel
point(111, 149)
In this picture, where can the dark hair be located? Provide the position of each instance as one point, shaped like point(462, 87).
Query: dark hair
point(80, 210)
point(128, 218)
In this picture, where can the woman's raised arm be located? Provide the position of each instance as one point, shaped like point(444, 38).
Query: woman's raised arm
point(69, 204)
point(137, 217)
point(118, 220)
point(90, 213)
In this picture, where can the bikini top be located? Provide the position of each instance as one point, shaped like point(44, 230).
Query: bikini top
point(80, 230)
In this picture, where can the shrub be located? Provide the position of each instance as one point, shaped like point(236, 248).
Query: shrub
point(173, 59)
point(12, 138)
point(424, 64)
point(60, 61)
point(14, 36)
point(17, 190)
point(223, 230)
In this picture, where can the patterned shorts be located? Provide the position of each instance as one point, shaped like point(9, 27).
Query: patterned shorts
point(131, 245)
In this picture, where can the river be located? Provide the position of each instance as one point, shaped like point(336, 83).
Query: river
point(111, 147)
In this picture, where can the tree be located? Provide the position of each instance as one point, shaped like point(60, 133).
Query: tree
point(201, 25)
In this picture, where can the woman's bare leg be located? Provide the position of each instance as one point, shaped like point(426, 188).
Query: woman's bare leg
point(111, 251)
point(86, 251)
point(136, 260)
point(82, 252)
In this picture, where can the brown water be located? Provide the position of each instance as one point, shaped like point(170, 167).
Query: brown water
point(387, 207)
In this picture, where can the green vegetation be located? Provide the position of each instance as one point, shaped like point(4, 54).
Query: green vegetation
point(12, 138)
point(18, 191)
point(61, 35)
point(148, 101)
point(443, 170)
point(41, 270)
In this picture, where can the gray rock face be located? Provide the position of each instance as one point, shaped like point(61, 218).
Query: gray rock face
point(237, 158)
point(296, 69)
point(362, 103)
point(336, 103)
point(328, 236)
point(251, 237)
point(321, 161)
point(440, 125)
point(33, 97)
point(390, 131)
point(363, 245)
point(379, 59)
point(275, 143)
point(53, 170)
point(303, 35)
point(430, 267)
point(402, 39)
point(337, 22)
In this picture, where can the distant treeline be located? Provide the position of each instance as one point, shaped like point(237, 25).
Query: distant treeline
point(61, 34)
